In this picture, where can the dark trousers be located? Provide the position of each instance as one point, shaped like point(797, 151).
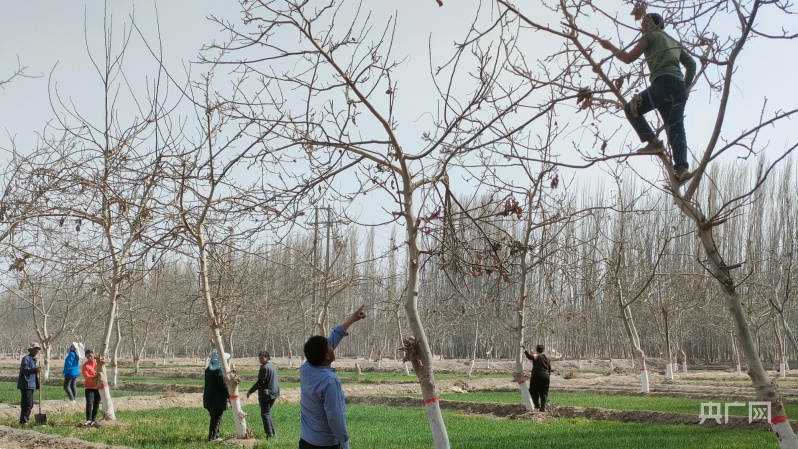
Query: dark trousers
point(668, 95)
point(305, 445)
point(71, 388)
point(216, 422)
point(92, 404)
point(265, 415)
point(25, 406)
point(539, 389)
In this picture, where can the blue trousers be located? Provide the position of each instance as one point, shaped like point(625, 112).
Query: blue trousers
point(71, 388)
point(668, 95)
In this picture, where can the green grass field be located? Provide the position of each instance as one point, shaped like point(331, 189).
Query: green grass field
point(380, 377)
point(612, 402)
point(10, 395)
point(395, 428)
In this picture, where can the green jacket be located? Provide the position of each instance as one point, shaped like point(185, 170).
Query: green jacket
point(663, 56)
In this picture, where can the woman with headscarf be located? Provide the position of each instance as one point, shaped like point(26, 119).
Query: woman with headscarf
point(71, 372)
point(215, 395)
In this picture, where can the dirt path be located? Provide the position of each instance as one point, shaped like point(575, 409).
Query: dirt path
point(29, 439)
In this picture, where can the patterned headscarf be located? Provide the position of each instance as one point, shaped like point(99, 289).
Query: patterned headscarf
point(215, 363)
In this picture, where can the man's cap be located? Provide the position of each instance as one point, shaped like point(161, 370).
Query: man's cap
point(264, 354)
point(657, 19)
point(34, 345)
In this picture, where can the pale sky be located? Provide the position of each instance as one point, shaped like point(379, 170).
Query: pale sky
point(48, 38)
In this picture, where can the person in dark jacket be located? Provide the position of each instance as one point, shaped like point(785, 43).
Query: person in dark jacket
point(268, 388)
point(71, 372)
point(215, 395)
point(28, 382)
point(539, 381)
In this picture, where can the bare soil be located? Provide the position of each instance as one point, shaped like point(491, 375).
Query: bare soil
point(716, 384)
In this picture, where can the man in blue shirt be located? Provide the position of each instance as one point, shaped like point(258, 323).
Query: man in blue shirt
point(322, 407)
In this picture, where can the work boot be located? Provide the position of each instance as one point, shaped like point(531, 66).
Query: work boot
point(654, 146)
point(682, 174)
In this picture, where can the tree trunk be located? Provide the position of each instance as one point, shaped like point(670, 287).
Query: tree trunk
point(47, 349)
point(765, 389)
point(474, 350)
point(115, 356)
point(668, 355)
point(417, 349)
point(634, 340)
point(105, 391)
point(684, 360)
point(231, 378)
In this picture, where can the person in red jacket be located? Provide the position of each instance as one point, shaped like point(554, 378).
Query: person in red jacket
point(89, 371)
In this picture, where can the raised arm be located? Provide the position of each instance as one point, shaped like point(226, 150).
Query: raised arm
point(627, 57)
point(357, 316)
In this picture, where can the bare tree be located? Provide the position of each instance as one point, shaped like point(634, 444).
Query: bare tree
point(334, 99)
point(718, 49)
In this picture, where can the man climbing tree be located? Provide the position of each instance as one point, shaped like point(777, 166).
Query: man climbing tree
point(667, 92)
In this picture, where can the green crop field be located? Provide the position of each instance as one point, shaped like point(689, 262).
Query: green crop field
point(613, 402)
point(395, 428)
point(10, 395)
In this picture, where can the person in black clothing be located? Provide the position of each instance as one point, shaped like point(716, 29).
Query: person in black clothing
point(28, 382)
point(215, 395)
point(539, 382)
point(268, 388)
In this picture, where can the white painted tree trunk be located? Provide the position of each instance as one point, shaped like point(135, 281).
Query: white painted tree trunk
point(46, 349)
point(684, 366)
point(417, 349)
point(407, 368)
point(105, 391)
point(782, 370)
point(116, 375)
point(108, 404)
point(739, 370)
point(438, 427)
point(470, 368)
point(764, 388)
point(230, 377)
point(579, 365)
point(644, 384)
point(526, 396)
point(379, 363)
point(669, 371)
point(612, 365)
